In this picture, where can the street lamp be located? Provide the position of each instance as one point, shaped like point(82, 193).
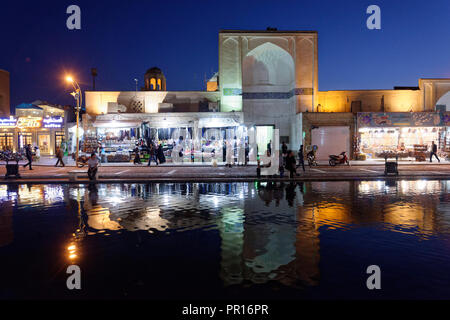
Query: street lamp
point(77, 96)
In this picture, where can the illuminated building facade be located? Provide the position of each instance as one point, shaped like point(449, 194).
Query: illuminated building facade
point(269, 80)
point(39, 124)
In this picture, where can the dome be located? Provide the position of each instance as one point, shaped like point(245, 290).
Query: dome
point(155, 80)
point(154, 70)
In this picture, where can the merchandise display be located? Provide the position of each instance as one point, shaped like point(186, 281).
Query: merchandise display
point(408, 143)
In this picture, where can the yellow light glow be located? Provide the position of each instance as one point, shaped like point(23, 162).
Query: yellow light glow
point(69, 79)
point(72, 247)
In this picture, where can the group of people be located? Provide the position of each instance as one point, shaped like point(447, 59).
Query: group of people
point(156, 154)
point(289, 160)
point(242, 153)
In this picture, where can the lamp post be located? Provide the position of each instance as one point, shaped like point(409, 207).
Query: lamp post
point(77, 96)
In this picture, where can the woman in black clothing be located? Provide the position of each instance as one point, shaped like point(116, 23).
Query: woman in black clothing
point(301, 160)
point(291, 164)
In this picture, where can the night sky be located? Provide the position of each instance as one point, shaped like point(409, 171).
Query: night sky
point(122, 39)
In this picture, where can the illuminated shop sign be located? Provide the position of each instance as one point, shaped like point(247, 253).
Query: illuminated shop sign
point(8, 122)
point(29, 122)
point(53, 122)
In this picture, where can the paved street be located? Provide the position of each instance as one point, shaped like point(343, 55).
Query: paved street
point(321, 172)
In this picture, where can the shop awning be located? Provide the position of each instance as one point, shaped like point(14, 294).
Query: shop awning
point(117, 124)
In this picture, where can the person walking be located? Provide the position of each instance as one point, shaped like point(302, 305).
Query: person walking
point(29, 156)
point(137, 158)
point(152, 153)
point(59, 155)
point(301, 160)
point(433, 152)
point(92, 166)
point(269, 147)
point(291, 164)
point(160, 154)
point(241, 153)
point(247, 152)
point(229, 155)
point(37, 154)
point(284, 152)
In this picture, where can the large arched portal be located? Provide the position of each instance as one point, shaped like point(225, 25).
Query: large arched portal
point(267, 66)
point(268, 82)
point(444, 101)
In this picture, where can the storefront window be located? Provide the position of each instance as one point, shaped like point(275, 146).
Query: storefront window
point(44, 143)
point(406, 142)
point(6, 141)
point(25, 138)
point(179, 144)
point(117, 144)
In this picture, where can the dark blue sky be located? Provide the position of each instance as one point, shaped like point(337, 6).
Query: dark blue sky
point(125, 38)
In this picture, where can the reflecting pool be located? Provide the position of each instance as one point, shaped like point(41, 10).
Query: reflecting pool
point(311, 240)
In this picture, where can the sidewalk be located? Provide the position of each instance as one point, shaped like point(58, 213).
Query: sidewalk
point(50, 161)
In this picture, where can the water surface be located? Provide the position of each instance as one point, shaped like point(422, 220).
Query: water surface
point(309, 240)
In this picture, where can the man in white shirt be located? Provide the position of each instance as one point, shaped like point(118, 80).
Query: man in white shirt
point(92, 166)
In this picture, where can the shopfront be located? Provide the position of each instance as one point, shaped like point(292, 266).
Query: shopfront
point(7, 128)
point(408, 135)
point(45, 133)
point(183, 137)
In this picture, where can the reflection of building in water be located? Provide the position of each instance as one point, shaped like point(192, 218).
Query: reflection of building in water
point(6, 220)
point(157, 207)
point(401, 205)
point(45, 194)
point(231, 226)
point(264, 245)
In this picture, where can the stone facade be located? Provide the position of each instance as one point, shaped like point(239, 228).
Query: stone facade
point(271, 67)
point(270, 75)
point(424, 98)
point(151, 101)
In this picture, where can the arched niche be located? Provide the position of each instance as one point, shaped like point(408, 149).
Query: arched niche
point(268, 65)
point(444, 100)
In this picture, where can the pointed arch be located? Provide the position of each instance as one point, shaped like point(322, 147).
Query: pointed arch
point(268, 65)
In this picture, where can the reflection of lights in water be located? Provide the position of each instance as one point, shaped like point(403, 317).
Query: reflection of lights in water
point(6, 195)
point(30, 195)
point(380, 184)
point(99, 219)
point(166, 199)
point(53, 193)
point(77, 192)
point(72, 251)
point(421, 185)
point(114, 200)
point(405, 186)
point(215, 200)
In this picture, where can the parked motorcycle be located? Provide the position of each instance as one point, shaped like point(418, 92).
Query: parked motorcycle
point(311, 159)
point(341, 158)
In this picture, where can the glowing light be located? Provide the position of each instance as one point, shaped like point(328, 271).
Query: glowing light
point(69, 79)
point(72, 251)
